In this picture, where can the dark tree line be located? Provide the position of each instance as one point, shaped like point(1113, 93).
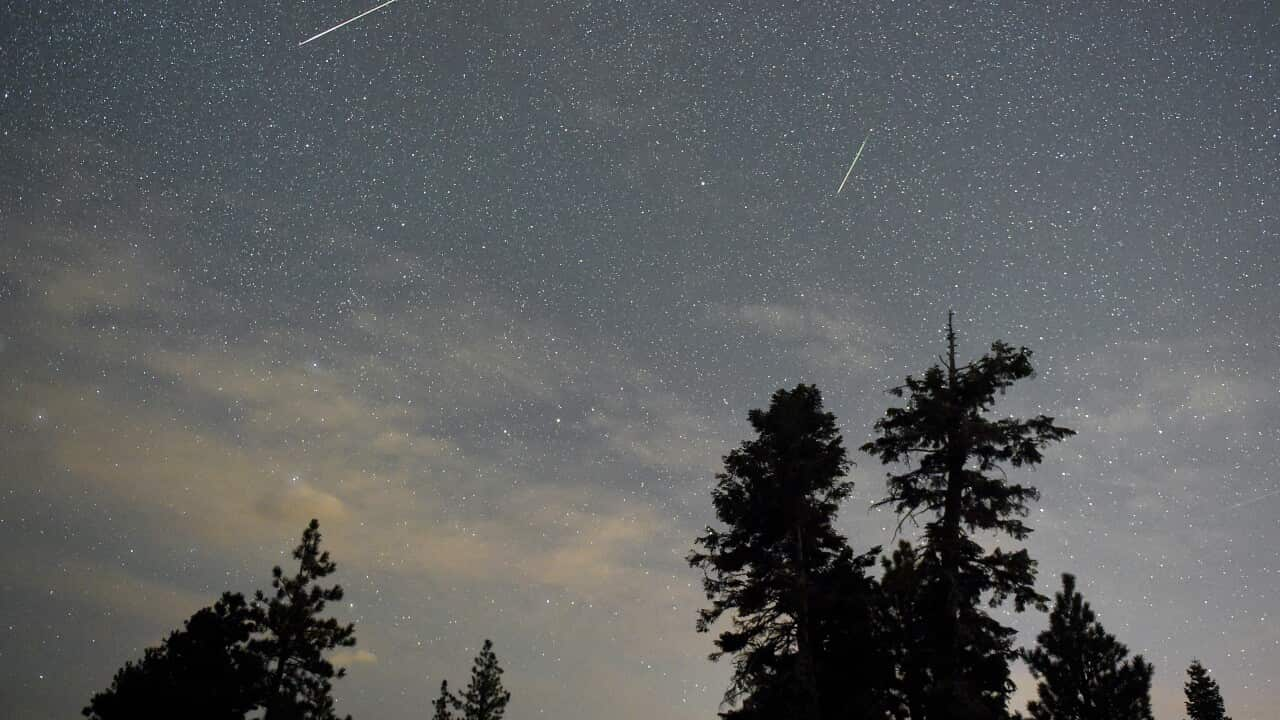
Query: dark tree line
point(813, 633)
point(814, 636)
point(204, 671)
point(240, 658)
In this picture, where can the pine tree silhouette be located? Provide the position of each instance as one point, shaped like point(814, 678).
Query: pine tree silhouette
point(445, 704)
point(904, 632)
point(958, 482)
point(203, 672)
point(485, 698)
point(296, 637)
point(235, 657)
point(1204, 699)
point(778, 497)
point(1082, 671)
point(855, 667)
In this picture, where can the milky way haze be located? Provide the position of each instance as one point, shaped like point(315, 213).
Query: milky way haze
point(489, 288)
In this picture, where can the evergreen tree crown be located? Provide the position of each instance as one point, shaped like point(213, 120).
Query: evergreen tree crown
point(1204, 697)
point(485, 698)
point(1082, 671)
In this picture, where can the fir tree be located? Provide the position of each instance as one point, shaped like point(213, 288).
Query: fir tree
point(850, 663)
point(299, 684)
point(855, 668)
point(959, 483)
point(904, 631)
point(485, 698)
point(203, 672)
point(1204, 699)
point(445, 703)
point(777, 497)
point(1082, 671)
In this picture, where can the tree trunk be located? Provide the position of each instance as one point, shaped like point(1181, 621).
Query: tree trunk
point(948, 662)
point(805, 669)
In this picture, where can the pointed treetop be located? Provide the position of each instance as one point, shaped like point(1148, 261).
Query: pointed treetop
point(1082, 671)
point(951, 342)
point(298, 636)
point(485, 698)
point(1204, 698)
point(445, 704)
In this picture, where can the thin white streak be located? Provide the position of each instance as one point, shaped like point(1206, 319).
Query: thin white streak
point(855, 161)
point(1251, 501)
point(335, 27)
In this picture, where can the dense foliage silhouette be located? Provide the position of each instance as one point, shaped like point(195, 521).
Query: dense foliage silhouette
point(485, 698)
point(904, 631)
point(445, 703)
point(295, 636)
point(1204, 699)
point(204, 671)
point(799, 598)
point(957, 481)
point(236, 658)
point(1082, 671)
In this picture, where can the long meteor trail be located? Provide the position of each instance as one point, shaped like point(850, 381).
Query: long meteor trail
point(335, 27)
point(855, 161)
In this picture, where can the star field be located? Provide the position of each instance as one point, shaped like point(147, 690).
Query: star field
point(490, 287)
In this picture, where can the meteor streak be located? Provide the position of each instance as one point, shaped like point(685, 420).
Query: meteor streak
point(855, 161)
point(335, 27)
point(1253, 500)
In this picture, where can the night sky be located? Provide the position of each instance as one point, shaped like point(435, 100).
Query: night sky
point(489, 288)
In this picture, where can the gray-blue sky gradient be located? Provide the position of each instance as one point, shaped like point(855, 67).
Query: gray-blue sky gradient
point(490, 287)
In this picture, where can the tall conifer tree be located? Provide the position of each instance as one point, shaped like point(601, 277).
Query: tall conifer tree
point(485, 698)
point(1081, 670)
point(855, 668)
point(1204, 699)
point(777, 497)
point(904, 632)
point(958, 482)
point(299, 684)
